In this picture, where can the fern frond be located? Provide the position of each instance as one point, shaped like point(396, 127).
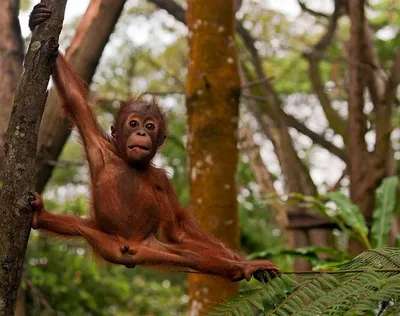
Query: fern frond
point(375, 258)
point(273, 291)
point(367, 285)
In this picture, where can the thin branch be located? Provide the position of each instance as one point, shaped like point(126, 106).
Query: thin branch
point(314, 56)
point(304, 7)
point(315, 137)
point(262, 174)
point(337, 184)
point(376, 75)
point(159, 66)
point(395, 270)
point(254, 97)
point(384, 114)
point(394, 80)
point(163, 93)
point(257, 82)
point(64, 164)
point(172, 8)
point(36, 293)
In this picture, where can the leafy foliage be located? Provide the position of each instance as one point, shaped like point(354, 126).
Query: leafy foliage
point(349, 212)
point(367, 284)
point(383, 214)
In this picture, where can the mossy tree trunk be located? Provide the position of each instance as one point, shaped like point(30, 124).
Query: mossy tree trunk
point(19, 158)
point(212, 90)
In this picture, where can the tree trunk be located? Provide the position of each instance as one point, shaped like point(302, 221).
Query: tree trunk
point(83, 54)
point(263, 177)
point(212, 90)
point(361, 192)
point(11, 57)
point(19, 158)
point(21, 308)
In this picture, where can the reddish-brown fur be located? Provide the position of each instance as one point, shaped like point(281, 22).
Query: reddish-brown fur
point(136, 218)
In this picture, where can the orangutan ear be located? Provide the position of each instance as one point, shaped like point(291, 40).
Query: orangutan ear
point(113, 132)
point(162, 140)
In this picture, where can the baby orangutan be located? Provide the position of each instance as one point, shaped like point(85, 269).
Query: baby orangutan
point(136, 218)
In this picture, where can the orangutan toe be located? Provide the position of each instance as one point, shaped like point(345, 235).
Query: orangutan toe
point(265, 276)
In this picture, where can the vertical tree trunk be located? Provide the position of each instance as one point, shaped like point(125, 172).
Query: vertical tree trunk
point(212, 90)
point(19, 158)
point(11, 57)
point(83, 54)
point(21, 308)
point(361, 190)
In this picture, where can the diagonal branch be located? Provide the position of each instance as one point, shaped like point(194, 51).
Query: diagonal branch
point(394, 80)
point(262, 174)
point(297, 178)
point(376, 78)
point(172, 8)
point(316, 138)
point(304, 7)
point(314, 56)
point(300, 127)
point(384, 113)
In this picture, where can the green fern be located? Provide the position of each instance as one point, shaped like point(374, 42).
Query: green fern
point(385, 197)
point(367, 285)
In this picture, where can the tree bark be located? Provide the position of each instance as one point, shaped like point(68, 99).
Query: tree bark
point(212, 91)
point(263, 177)
point(83, 54)
point(21, 306)
point(361, 186)
point(19, 158)
point(11, 57)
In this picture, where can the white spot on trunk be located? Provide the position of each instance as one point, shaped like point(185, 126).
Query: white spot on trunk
point(208, 159)
point(227, 186)
point(199, 163)
point(230, 60)
point(221, 29)
point(194, 174)
point(195, 307)
point(229, 222)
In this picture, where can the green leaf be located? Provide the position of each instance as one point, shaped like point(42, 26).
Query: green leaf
point(349, 212)
point(382, 216)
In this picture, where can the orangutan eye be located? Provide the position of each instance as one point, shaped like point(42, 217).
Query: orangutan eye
point(150, 126)
point(133, 123)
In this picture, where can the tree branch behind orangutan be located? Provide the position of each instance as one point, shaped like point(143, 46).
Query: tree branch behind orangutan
point(135, 218)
